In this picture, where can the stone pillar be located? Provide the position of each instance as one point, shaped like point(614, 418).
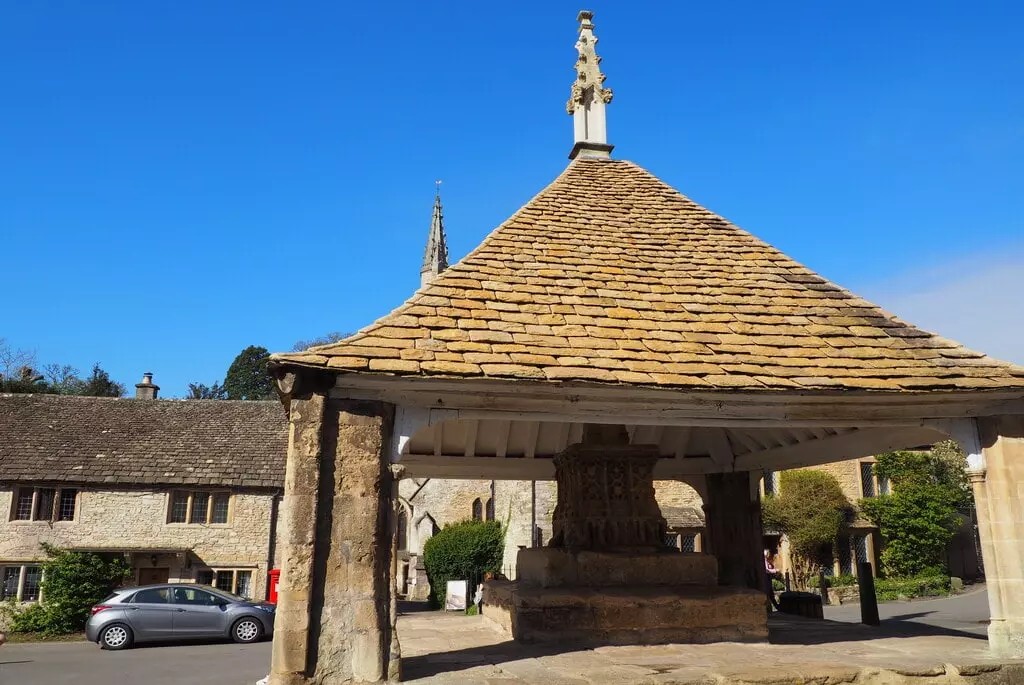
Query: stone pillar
point(999, 498)
point(334, 621)
point(732, 511)
point(606, 496)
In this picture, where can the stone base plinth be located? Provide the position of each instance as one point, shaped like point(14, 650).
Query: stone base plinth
point(626, 615)
point(1006, 638)
point(553, 567)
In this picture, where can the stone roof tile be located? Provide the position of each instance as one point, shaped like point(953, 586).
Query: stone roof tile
point(51, 438)
point(610, 275)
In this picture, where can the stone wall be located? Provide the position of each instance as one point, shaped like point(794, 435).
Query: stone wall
point(445, 501)
point(674, 493)
point(138, 519)
point(848, 474)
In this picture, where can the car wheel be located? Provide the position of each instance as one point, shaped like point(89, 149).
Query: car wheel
point(116, 636)
point(247, 630)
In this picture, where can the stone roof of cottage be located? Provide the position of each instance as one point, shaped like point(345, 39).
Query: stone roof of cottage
point(610, 275)
point(682, 517)
point(95, 440)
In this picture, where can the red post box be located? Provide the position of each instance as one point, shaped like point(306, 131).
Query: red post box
point(275, 576)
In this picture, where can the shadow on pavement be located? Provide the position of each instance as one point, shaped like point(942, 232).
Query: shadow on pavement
point(796, 630)
point(782, 629)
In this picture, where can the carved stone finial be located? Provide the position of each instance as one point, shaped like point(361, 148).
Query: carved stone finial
point(588, 96)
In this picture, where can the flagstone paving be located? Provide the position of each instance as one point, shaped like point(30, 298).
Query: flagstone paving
point(467, 650)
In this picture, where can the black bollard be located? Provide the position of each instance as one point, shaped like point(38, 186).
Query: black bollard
point(823, 588)
point(868, 599)
point(786, 582)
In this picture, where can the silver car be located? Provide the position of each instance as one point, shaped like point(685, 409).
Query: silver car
point(176, 611)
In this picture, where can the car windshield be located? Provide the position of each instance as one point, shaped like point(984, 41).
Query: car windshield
point(222, 593)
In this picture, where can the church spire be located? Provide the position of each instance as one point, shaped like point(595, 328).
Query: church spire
point(589, 96)
point(435, 257)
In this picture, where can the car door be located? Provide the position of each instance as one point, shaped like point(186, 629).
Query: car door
point(149, 613)
point(198, 613)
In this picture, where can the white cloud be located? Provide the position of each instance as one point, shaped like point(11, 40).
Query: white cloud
point(975, 300)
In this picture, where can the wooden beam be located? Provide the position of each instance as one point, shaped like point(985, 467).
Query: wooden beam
point(721, 450)
point(501, 448)
point(645, 435)
point(598, 403)
point(472, 427)
point(682, 442)
point(486, 468)
point(438, 439)
point(563, 436)
point(746, 440)
point(532, 432)
point(575, 433)
point(850, 445)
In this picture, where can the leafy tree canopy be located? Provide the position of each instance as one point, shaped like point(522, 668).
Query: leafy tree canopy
point(18, 374)
point(920, 517)
point(99, 385)
point(200, 391)
point(332, 337)
point(811, 510)
point(247, 378)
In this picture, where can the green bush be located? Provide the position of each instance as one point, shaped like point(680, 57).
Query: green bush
point(778, 585)
point(844, 580)
point(72, 583)
point(919, 518)
point(462, 551)
point(810, 510)
point(29, 619)
point(889, 589)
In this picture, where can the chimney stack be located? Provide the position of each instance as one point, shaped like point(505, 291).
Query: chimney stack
point(146, 390)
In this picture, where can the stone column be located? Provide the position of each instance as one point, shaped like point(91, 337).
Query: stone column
point(606, 496)
point(999, 498)
point(732, 511)
point(334, 622)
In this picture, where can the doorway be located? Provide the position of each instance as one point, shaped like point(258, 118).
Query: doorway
point(154, 576)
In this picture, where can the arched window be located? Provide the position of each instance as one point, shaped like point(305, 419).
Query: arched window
point(489, 509)
point(477, 510)
point(403, 531)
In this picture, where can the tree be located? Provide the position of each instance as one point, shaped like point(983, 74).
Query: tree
point(810, 510)
point(920, 517)
point(332, 337)
point(199, 391)
point(72, 583)
point(18, 373)
point(12, 361)
point(25, 380)
point(247, 378)
point(99, 385)
point(63, 378)
point(462, 551)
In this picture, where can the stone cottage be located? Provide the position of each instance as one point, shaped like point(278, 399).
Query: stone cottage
point(186, 490)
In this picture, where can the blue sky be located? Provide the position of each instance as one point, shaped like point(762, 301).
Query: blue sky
point(181, 180)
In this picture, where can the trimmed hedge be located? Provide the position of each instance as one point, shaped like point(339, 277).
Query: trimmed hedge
point(462, 551)
point(843, 580)
point(889, 589)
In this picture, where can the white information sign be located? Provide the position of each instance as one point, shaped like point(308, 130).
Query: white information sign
point(455, 599)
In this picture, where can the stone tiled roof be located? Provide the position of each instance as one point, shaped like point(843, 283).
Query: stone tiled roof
point(683, 517)
point(611, 275)
point(142, 442)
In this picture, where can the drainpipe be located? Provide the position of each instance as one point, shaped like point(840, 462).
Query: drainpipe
point(275, 501)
